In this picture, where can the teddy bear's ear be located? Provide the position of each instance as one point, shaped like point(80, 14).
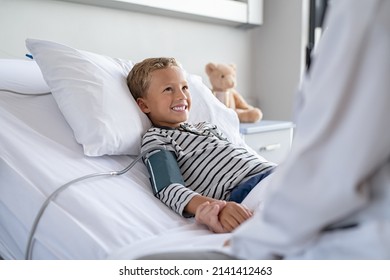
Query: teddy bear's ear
point(233, 66)
point(210, 67)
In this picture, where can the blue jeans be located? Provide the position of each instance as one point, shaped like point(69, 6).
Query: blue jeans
point(243, 189)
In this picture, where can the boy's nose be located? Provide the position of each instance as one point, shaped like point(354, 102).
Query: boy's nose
point(180, 94)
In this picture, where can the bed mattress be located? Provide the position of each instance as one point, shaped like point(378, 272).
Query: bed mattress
point(106, 217)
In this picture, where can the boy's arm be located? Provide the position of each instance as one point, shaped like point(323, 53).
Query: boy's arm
point(165, 176)
point(168, 186)
point(195, 202)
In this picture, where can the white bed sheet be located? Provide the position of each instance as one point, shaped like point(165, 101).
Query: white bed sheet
point(97, 219)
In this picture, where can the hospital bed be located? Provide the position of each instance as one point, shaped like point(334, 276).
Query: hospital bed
point(106, 217)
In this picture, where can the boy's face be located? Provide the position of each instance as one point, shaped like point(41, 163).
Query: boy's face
point(168, 100)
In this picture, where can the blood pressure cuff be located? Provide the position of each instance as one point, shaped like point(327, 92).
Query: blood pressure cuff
point(163, 169)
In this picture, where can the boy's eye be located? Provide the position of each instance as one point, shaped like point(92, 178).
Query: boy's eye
point(168, 89)
point(185, 88)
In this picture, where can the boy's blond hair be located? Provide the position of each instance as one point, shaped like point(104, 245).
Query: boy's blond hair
point(138, 79)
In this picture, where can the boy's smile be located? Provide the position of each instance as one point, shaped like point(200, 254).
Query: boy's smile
point(167, 101)
point(179, 108)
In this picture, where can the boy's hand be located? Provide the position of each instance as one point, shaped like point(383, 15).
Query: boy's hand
point(222, 216)
point(232, 215)
point(207, 214)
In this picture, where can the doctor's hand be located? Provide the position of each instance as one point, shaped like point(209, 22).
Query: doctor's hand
point(207, 214)
point(232, 215)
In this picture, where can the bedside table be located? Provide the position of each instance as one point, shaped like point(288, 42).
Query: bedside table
point(270, 139)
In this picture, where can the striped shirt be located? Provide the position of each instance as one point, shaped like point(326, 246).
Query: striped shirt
point(210, 164)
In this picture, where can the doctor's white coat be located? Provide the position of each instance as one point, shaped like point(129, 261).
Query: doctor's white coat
point(330, 199)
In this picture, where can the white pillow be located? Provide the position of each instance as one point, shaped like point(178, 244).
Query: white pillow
point(92, 93)
point(21, 76)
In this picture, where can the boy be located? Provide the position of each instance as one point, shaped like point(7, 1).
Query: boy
point(210, 167)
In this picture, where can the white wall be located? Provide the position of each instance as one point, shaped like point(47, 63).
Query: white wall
point(122, 34)
point(267, 57)
point(278, 55)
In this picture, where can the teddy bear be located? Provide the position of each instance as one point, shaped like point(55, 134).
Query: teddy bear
point(223, 81)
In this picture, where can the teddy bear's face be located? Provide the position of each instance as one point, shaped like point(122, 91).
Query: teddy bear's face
point(222, 77)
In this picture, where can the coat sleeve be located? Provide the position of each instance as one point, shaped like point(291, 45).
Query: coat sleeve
point(342, 136)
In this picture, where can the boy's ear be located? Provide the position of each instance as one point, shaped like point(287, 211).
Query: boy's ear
point(142, 105)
